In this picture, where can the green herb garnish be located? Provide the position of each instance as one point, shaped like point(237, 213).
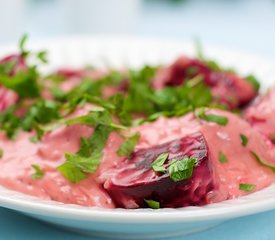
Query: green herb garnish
point(34, 139)
point(22, 44)
point(247, 187)
point(182, 169)
point(244, 139)
point(1, 152)
point(42, 56)
point(152, 204)
point(222, 157)
point(128, 145)
point(253, 81)
point(221, 120)
point(157, 165)
point(272, 137)
point(88, 157)
point(38, 172)
point(261, 162)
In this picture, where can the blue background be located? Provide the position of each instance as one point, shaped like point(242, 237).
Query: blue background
point(248, 25)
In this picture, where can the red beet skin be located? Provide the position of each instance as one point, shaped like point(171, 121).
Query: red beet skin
point(228, 88)
point(134, 179)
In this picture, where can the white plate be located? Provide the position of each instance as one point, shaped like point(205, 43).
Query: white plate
point(143, 223)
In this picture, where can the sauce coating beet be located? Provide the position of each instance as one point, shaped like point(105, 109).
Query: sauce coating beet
point(134, 179)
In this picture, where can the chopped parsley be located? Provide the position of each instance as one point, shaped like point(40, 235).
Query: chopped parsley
point(42, 56)
point(128, 145)
point(23, 82)
point(22, 44)
point(34, 139)
point(221, 120)
point(38, 172)
point(157, 165)
point(247, 187)
point(88, 157)
point(152, 204)
point(182, 169)
point(222, 158)
point(94, 118)
point(272, 137)
point(261, 162)
point(244, 139)
point(253, 81)
point(1, 152)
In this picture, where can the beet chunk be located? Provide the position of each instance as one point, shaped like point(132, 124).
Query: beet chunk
point(227, 87)
point(134, 179)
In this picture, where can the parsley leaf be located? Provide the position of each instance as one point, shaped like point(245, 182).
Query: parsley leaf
point(42, 112)
point(152, 204)
point(244, 139)
point(222, 157)
point(92, 119)
point(272, 137)
point(22, 44)
point(157, 165)
point(221, 120)
point(23, 82)
point(261, 162)
point(42, 56)
point(9, 122)
point(247, 187)
point(34, 139)
point(38, 172)
point(87, 159)
point(128, 145)
point(182, 169)
point(1, 152)
point(70, 171)
point(253, 81)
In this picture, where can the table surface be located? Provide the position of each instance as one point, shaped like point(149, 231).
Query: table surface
point(247, 25)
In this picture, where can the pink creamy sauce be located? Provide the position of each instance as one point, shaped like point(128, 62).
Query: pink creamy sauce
point(19, 156)
point(241, 167)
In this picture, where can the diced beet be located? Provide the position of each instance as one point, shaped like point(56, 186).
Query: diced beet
point(134, 180)
point(227, 87)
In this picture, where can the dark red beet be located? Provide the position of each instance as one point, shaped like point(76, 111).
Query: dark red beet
point(227, 87)
point(134, 179)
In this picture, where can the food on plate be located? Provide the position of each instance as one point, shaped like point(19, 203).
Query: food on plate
point(261, 114)
point(187, 134)
point(226, 86)
point(213, 161)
